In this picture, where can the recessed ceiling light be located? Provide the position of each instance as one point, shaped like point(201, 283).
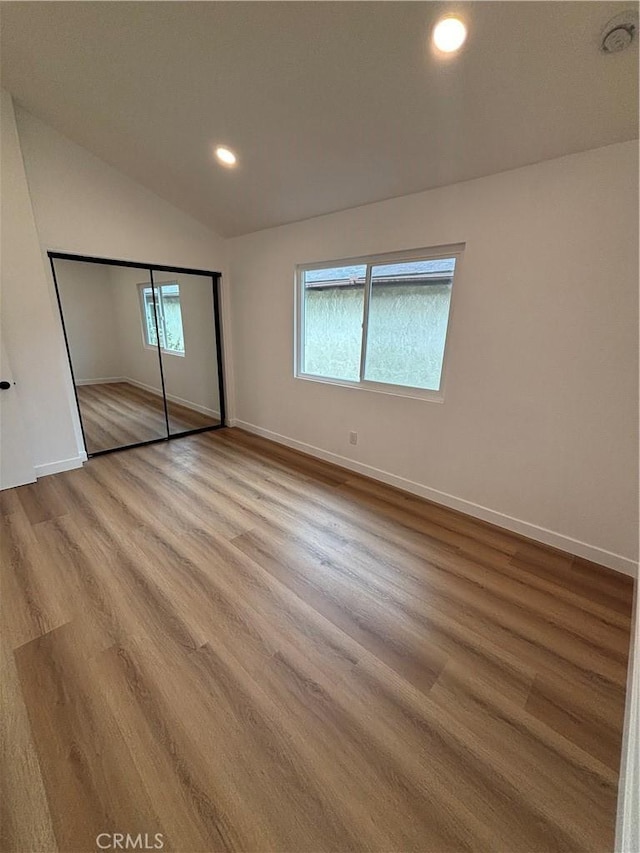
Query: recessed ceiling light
point(449, 34)
point(226, 156)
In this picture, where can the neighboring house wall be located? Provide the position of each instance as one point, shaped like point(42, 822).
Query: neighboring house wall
point(539, 426)
point(84, 206)
point(90, 321)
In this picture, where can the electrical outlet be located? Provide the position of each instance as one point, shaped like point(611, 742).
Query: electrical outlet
point(353, 438)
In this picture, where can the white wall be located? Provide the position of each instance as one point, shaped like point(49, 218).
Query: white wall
point(140, 363)
point(90, 320)
point(29, 322)
point(84, 206)
point(538, 429)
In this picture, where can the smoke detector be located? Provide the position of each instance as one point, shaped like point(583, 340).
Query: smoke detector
point(620, 32)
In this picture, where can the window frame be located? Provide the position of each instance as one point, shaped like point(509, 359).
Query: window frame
point(156, 290)
point(454, 250)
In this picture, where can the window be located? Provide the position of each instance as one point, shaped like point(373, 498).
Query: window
point(378, 323)
point(169, 317)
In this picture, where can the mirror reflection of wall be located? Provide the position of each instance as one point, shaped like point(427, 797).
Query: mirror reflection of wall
point(143, 351)
point(188, 340)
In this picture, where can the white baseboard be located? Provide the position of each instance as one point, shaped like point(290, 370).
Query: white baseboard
point(173, 399)
point(515, 525)
point(106, 381)
point(61, 465)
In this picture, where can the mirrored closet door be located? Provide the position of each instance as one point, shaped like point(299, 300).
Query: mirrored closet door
point(185, 306)
point(144, 349)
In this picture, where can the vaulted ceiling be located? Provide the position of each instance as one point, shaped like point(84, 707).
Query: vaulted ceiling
point(328, 105)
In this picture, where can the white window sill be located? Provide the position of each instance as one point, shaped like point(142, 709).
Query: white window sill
point(164, 351)
point(379, 388)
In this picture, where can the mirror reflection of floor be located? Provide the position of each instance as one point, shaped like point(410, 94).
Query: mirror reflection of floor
point(116, 414)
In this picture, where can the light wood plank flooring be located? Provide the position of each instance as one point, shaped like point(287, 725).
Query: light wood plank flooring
point(116, 414)
point(246, 649)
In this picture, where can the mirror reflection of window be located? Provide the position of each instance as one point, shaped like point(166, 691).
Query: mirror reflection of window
point(168, 317)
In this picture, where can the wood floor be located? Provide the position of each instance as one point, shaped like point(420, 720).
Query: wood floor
point(242, 648)
point(116, 414)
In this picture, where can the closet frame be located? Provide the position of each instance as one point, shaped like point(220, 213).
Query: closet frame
point(217, 328)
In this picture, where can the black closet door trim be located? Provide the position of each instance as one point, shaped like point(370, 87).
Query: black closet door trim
point(114, 262)
point(160, 360)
